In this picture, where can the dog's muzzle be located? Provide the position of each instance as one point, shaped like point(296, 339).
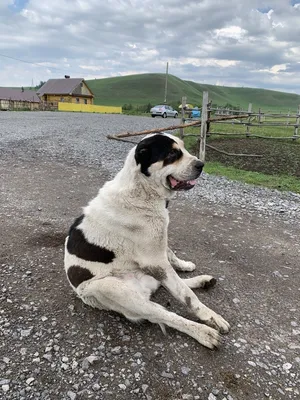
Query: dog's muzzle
point(176, 184)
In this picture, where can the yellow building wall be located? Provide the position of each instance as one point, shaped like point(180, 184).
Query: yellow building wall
point(68, 99)
point(52, 98)
point(89, 108)
point(81, 100)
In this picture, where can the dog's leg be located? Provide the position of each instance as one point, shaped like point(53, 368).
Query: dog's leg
point(121, 296)
point(180, 290)
point(201, 281)
point(178, 264)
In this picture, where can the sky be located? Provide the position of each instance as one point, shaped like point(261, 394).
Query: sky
point(229, 43)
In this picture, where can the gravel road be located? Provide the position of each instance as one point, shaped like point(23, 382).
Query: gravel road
point(54, 347)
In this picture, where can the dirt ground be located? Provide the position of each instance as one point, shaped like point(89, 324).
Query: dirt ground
point(279, 157)
point(52, 346)
point(255, 259)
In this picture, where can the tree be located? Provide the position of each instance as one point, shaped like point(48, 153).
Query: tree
point(39, 85)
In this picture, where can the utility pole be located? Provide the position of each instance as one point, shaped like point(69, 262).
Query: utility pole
point(166, 83)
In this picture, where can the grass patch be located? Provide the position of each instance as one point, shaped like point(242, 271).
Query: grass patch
point(267, 131)
point(279, 182)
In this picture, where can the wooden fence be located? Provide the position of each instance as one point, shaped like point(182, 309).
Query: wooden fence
point(243, 118)
point(15, 105)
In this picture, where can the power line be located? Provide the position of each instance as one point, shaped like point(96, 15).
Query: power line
point(39, 65)
point(24, 61)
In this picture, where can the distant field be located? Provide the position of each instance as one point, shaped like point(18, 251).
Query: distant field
point(149, 88)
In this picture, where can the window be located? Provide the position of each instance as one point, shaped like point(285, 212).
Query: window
point(85, 101)
point(77, 100)
point(62, 99)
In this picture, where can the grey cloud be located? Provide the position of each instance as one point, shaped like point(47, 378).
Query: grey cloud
point(134, 36)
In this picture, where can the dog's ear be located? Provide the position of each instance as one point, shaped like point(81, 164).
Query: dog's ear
point(143, 156)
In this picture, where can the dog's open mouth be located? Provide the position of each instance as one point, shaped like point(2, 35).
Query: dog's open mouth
point(181, 185)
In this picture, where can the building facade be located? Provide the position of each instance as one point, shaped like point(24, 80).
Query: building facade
point(68, 90)
point(18, 99)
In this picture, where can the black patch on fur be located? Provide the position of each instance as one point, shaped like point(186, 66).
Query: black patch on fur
point(188, 301)
point(81, 248)
point(157, 273)
point(77, 275)
point(173, 156)
point(76, 223)
point(210, 284)
point(156, 148)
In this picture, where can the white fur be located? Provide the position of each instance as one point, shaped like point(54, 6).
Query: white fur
point(129, 217)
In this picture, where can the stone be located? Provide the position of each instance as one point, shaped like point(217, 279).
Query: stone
point(122, 386)
point(5, 388)
point(71, 395)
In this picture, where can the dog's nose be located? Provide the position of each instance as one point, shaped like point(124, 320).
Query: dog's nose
point(199, 165)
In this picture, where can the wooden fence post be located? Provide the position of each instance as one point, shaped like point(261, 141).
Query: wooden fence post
point(203, 131)
point(208, 118)
point(297, 122)
point(259, 116)
point(183, 105)
point(249, 120)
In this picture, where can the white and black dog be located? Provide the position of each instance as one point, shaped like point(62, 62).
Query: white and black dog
point(117, 255)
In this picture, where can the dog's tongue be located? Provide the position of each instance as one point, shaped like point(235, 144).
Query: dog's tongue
point(174, 182)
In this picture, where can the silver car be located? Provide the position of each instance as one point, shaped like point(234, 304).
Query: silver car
point(163, 111)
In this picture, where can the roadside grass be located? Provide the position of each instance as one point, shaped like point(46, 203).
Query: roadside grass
point(279, 182)
point(279, 168)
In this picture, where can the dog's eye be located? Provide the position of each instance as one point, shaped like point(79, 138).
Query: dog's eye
point(173, 156)
point(173, 153)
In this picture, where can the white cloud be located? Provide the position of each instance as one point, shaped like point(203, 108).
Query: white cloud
point(276, 69)
point(231, 32)
point(235, 43)
point(91, 67)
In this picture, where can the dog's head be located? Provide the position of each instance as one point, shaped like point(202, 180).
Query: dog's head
point(164, 160)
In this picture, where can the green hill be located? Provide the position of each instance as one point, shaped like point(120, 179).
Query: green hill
point(149, 88)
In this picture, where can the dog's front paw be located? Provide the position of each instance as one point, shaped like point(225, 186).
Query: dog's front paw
point(204, 281)
point(208, 337)
point(186, 266)
point(216, 321)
